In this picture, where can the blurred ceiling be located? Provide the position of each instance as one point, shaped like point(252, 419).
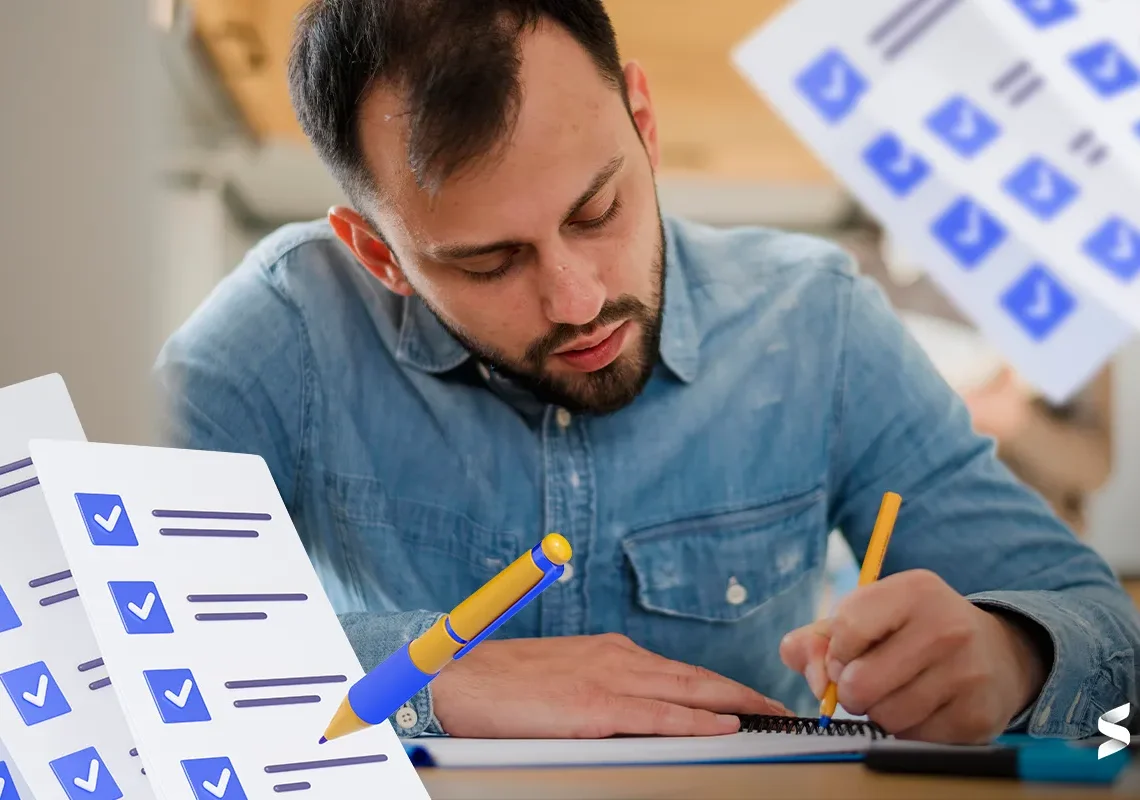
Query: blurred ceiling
point(713, 126)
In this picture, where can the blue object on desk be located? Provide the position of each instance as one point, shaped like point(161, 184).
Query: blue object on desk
point(1021, 758)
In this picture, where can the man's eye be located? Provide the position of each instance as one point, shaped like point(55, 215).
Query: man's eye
point(496, 273)
point(604, 219)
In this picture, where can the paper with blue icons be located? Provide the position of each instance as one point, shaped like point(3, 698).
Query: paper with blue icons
point(226, 655)
point(12, 784)
point(60, 720)
point(998, 143)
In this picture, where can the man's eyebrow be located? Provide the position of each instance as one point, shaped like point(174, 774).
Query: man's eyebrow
point(458, 252)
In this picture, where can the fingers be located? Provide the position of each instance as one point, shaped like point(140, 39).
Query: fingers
point(649, 717)
point(805, 650)
point(912, 706)
point(889, 666)
point(699, 688)
point(873, 612)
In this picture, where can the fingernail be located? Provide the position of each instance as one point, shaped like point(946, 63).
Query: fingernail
point(834, 669)
point(728, 719)
point(816, 679)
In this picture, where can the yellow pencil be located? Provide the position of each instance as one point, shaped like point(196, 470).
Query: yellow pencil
point(872, 564)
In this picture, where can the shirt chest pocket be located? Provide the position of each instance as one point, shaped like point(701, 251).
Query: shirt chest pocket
point(726, 567)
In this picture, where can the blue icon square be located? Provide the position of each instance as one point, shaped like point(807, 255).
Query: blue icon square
point(140, 607)
point(9, 619)
point(1115, 246)
point(1105, 68)
point(177, 695)
point(107, 522)
point(1046, 13)
point(1041, 188)
point(35, 693)
point(899, 168)
point(7, 785)
point(968, 231)
point(1038, 302)
point(963, 126)
point(84, 776)
point(213, 779)
point(832, 85)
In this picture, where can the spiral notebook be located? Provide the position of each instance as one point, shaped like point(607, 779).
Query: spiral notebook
point(760, 739)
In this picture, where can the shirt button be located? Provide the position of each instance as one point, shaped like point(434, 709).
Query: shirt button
point(736, 593)
point(567, 575)
point(406, 717)
point(575, 481)
point(563, 417)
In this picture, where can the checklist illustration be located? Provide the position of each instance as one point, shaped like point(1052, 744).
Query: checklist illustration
point(227, 655)
point(56, 695)
point(9, 781)
point(997, 144)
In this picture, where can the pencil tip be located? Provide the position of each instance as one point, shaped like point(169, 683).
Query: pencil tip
point(322, 741)
point(824, 721)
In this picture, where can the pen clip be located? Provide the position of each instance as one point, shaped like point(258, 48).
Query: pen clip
point(550, 577)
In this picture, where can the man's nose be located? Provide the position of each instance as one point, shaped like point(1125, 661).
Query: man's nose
point(572, 294)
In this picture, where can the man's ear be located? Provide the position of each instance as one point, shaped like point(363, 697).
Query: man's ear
point(641, 106)
point(368, 248)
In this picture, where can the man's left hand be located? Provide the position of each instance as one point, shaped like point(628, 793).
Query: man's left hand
point(920, 660)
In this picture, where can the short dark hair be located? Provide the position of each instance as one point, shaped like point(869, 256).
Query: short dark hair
point(456, 63)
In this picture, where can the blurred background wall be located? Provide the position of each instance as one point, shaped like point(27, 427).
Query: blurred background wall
point(102, 257)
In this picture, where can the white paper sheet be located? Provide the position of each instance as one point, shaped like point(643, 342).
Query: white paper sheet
point(450, 752)
point(58, 714)
point(223, 648)
point(996, 141)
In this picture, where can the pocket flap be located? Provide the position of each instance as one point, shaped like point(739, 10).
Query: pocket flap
point(723, 567)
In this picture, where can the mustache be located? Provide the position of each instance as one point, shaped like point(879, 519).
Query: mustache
point(623, 308)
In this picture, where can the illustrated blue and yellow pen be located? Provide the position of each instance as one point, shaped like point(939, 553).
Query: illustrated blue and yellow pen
point(378, 695)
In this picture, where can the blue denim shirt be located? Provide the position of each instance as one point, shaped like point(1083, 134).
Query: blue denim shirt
point(787, 399)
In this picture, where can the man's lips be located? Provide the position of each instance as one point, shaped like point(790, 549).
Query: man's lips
point(602, 354)
point(591, 341)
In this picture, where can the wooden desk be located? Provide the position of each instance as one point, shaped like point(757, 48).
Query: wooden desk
point(737, 782)
point(790, 781)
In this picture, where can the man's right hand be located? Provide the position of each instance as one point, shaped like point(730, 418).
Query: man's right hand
point(586, 687)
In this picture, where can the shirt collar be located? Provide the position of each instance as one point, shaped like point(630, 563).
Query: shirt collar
point(427, 346)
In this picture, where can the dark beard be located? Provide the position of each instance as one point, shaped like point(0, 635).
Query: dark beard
point(606, 390)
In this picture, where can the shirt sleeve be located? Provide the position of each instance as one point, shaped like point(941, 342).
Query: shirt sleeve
point(901, 428)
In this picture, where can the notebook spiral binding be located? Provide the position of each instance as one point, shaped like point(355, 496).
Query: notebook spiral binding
point(763, 723)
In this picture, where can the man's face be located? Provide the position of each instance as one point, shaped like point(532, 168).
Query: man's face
point(546, 257)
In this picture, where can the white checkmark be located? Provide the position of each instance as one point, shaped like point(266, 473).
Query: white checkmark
point(218, 789)
point(109, 523)
point(972, 234)
point(902, 164)
point(1123, 248)
point(144, 612)
point(1042, 305)
point(40, 696)
point(1043, 189)
point(1109, 68)
point(966, 127)
point(184, 695)
point(3, 783)
point(92, 781)
point(836, 88)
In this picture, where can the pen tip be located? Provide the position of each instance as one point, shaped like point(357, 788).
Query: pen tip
point(824, 721)
point(322, 741)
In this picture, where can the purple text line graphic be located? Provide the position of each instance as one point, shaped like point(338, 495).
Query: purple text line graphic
point(23, 463)
point(208, 533)
point(99, 684)
point(70, 594)
point(272, 682)
point(326, 764)
point(87, 666)
point(245, 598)
point(228, 515)
point(236, 616)
point(19, 487)
point(292, 787)
point(259, 702)
point(36, 583)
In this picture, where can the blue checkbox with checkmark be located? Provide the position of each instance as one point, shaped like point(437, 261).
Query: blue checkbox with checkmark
point(107, 522)
point(9, 619)
point(177, 695)
point(84, 776)
point(35, 693)
point(7, 785)
point(213, 779)
point(140, 607)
